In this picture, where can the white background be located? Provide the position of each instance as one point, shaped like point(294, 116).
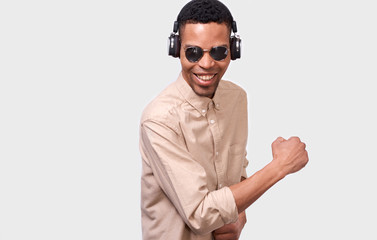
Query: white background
point(76, 75)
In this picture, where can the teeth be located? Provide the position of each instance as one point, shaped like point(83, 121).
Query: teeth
point(205, 77)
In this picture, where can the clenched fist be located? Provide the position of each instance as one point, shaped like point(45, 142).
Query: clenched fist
point(290, 155)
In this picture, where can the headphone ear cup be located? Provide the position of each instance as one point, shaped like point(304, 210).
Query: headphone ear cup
point(174, 45)
point(235, 47)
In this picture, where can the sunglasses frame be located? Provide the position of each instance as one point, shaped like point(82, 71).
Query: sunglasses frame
point(206, 50)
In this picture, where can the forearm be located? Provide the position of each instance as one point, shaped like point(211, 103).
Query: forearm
point(249, 190)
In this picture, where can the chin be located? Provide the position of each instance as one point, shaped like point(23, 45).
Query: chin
point(204, 92)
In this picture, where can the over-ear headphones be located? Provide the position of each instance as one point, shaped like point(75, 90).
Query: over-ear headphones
point(174, 42)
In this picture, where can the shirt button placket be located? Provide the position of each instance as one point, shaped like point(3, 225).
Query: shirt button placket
point(214, 128)
point(218, 167)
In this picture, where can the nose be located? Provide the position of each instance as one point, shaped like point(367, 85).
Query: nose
point(206, 61)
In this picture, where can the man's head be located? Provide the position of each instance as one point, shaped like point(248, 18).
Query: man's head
point(204, 29)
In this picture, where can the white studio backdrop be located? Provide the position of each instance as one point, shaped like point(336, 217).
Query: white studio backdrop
point(76, 75)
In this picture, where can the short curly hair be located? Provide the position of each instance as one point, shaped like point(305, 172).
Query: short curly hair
point(204, 11)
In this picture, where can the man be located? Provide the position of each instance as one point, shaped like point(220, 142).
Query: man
point(193, 138)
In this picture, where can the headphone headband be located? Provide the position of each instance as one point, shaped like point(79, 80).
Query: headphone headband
point(175, 27)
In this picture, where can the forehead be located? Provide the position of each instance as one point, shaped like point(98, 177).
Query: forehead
point(205, 35)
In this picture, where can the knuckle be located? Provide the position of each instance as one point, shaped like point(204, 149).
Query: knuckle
point(295, 139)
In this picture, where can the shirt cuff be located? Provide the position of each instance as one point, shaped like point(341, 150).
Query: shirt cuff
point(226, 205)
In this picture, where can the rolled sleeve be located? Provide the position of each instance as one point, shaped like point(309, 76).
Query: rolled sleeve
point(224, 199)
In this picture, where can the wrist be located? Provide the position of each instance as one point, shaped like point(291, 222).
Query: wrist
point(277, 168)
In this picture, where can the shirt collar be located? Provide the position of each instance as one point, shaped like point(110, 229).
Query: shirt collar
point(201, 104)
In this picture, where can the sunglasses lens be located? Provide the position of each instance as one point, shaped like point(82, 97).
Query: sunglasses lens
point(219, 53)
point(193, 54)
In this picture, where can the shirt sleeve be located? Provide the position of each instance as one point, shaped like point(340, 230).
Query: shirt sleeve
point(183, 179)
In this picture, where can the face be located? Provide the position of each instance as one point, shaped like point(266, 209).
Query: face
point(204, 75)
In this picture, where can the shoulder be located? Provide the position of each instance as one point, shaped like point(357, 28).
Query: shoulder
point(162, 109)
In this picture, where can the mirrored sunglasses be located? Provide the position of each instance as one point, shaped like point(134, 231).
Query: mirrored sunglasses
point(194, 54)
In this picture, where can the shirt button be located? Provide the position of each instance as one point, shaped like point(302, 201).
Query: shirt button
point(212, 121)
point(217, 153)
point(217, 105)
point(220, 185)
point(204, 111)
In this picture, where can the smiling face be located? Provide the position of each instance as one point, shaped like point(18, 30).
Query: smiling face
point(204, 76)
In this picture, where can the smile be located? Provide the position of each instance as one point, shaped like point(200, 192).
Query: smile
point(205, 77)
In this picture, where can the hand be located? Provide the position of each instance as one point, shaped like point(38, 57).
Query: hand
point(289, 154)
point(231, 231)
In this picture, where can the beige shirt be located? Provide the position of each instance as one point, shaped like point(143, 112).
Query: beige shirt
point(192, 149)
